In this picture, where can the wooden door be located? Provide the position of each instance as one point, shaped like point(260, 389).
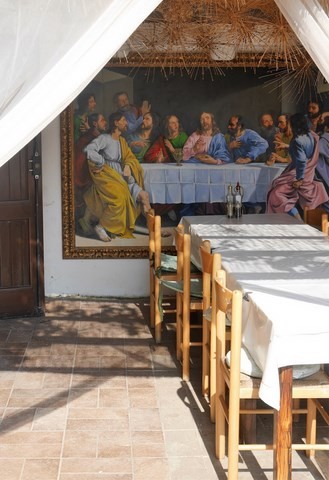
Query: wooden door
point(21, 256)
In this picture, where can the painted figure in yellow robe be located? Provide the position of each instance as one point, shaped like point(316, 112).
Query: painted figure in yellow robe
point(117, 196)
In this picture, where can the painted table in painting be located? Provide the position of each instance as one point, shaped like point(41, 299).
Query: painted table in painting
point(197, 183)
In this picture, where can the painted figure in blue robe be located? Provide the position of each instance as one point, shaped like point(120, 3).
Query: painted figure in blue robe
point(244, 144)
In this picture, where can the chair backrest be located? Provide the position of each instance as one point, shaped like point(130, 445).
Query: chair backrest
point(211, 262)
point(228, 302)
point(151, 228)
point(183, 248)
point(316, 217)
point(154, 228)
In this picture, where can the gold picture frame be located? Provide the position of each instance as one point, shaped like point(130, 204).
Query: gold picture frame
point(176, 94)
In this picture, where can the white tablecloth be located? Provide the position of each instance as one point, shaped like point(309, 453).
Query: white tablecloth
point(282, 266)
point(191, 183)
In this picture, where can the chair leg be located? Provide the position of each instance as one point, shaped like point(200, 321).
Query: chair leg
point(205, 358)
point(157, 316)
point(220, 441)
point(248, 422)
point(311, 426)
point(233, 441)
point(212, 366)
point(152, 299)
point(186, 339)
point(179, 313)
point(296, 406)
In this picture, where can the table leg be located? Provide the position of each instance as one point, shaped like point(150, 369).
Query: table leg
point(283, 428)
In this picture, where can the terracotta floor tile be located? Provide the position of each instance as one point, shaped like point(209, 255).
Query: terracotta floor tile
point(39, 346)
point(114, 444)
point(53, 379)
point(7, 379)
point(83, 397)
point(80, 444)
point(140, 379)
point(180, 418)
point(151, 468)
point(145, 419)
point(4, 396)
point(93, 424)
point(36, 468)
point(147, 438)
point(40, 398)
point(114, 362)
point(100, 351)
point(10, 362)
point(94, 466)
point(86, 363)
point(109, 397)
point(100, 476)
point(189, 467)
point(29, 451)
point(50, 419)
point(101, 413)
point(154, 451)
point(31, 438)
point(29, 379)
point(183, 443)
point(17, 419)
point(19, 336)
point(11, 468)
point(89, 379)
point(143, 398)
point(12, 350)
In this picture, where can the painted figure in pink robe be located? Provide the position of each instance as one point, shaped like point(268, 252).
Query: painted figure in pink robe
point(296, 185)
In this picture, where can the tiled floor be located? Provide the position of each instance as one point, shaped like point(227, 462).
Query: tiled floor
point(86, 394)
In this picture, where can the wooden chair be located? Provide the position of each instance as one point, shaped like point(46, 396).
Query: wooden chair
point(316, 217)
point(232, 386)
point(211, 263)
point(161, 266)
point(188, 299)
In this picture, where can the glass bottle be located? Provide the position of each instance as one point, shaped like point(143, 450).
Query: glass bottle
point(230, 202)
point(238, 201)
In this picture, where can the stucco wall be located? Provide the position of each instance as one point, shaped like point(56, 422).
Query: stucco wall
point(115, 278)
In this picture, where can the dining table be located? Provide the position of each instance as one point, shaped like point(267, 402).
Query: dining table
point(282, 267)
point(188, 183)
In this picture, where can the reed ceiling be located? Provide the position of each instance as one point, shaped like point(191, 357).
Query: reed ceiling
point(211, 35)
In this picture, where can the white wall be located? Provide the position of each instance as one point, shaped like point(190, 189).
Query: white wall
point(115, 278)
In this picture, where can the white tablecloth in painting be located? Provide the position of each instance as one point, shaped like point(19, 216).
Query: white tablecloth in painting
point(282, 266)
point(191, 183)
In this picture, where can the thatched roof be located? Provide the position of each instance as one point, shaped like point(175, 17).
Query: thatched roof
point(210, 35)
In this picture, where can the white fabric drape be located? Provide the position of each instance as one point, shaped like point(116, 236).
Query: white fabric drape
point(310, 23)
point(50, 51)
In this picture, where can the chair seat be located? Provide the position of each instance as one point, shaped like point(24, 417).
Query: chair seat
point(312, 386)
point(207, 315)
point(303, 388)
point(178, 286)
point(168, 262)
point(248, 366)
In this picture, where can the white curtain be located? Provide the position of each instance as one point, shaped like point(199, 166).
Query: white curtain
point(50, 51)
point(310, 23)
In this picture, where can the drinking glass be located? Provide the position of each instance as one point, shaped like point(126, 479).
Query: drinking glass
point(178, 156)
